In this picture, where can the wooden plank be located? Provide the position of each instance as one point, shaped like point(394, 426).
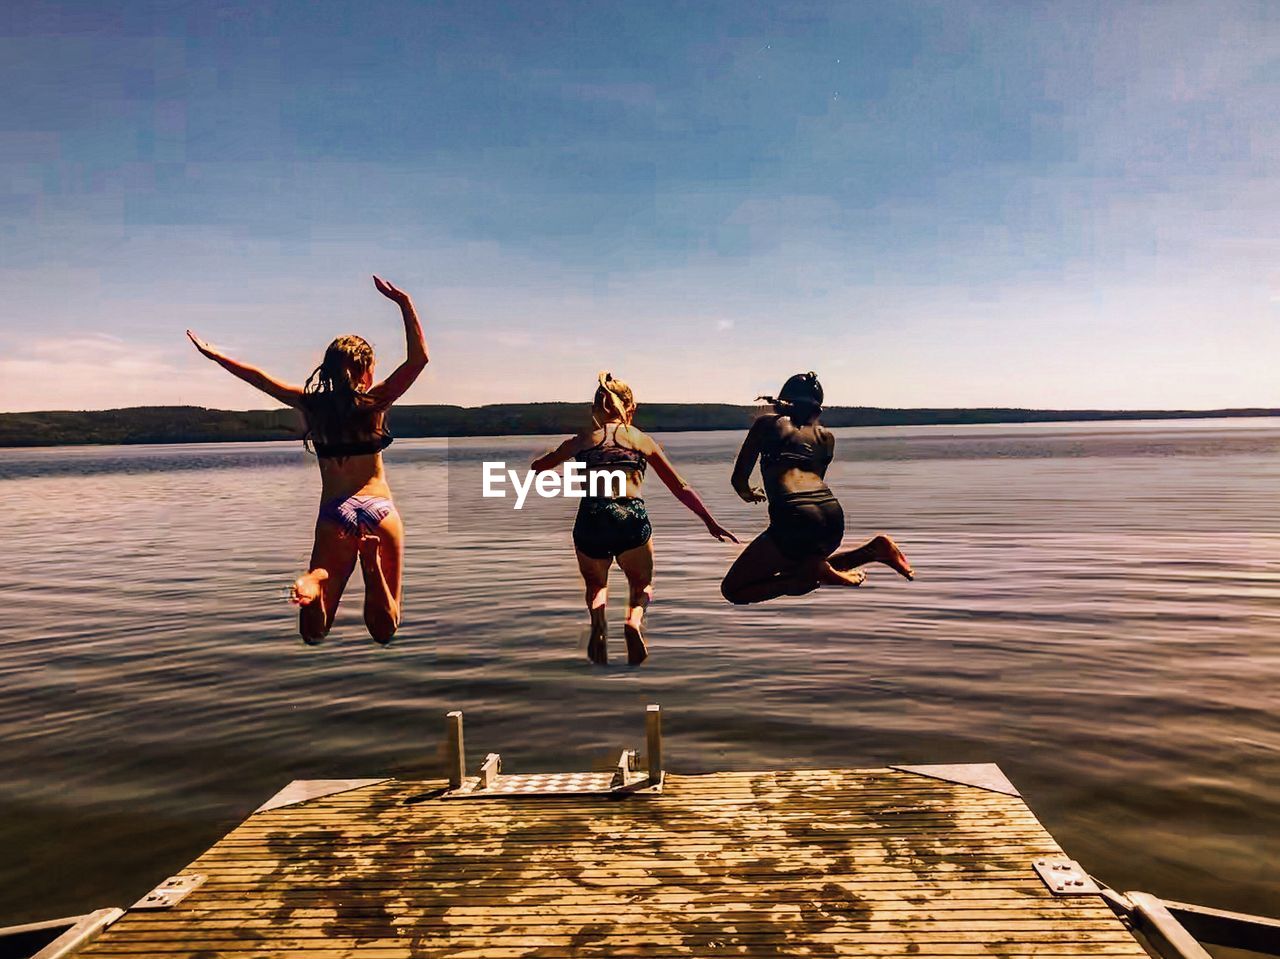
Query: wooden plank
point(388, 948)
point(829, 862)
point(481, 888)
point(630, 936)
point(709, 811)
point(649, 930)
point(656, 857)
point(669, 821)
point(953, 894)
point(527, 913)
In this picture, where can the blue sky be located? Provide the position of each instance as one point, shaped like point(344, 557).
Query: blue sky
point(931, 204)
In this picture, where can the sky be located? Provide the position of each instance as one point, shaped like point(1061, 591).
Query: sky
point(1067, 205)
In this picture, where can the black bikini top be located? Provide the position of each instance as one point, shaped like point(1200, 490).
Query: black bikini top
point(609, 454)
point(797, 447)
point(359, 448)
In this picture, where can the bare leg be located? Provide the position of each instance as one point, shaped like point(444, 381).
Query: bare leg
point(761, 573)
point(382, 562)
point(637, 564)
point(879, 549)
point(595, 574)
point(828, 575)
point(319, 590)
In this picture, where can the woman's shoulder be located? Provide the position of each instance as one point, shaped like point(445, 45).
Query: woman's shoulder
point(634, 437)
point(772, 427)
point(587, 438)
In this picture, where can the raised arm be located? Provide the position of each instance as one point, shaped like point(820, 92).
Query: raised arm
point(395, 385)
point(289, 395)
point(681, 490)
point(565, 451)
point(745, 463)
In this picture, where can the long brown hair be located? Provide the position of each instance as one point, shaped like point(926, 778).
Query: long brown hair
point(612, 396)
point(337, 409)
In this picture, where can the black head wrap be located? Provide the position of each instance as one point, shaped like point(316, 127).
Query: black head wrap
point(801, 390)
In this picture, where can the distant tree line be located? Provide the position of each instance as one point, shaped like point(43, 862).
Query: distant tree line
point(194, 424)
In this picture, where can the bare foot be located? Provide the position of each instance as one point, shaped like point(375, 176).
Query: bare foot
point(637, 648)
point(887, 552)
point(368, 548)
point(830, 576)
point(598, 644)
point(306, 588)
point(307, 592)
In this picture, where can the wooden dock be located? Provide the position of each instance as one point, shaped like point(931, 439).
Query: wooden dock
point(905, 861)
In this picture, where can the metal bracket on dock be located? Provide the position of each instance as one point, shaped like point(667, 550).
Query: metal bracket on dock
point(626, 766)
point(170, 892)
point(1172, 930)
point(625, 779)
point(1066, 877)
point(489, 770)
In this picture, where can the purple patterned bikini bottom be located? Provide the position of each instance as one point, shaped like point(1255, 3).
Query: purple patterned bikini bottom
point(357, 514)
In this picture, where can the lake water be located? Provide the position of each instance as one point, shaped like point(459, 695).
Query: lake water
point(1097, 610)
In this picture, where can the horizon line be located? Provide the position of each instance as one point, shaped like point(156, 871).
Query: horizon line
point(745, 406)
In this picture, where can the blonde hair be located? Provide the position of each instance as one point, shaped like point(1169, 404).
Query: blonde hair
point(612, 397)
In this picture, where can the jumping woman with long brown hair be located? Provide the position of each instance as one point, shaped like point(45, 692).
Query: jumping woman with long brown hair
point(345, 413)
point(798, 551)
point(617, 527)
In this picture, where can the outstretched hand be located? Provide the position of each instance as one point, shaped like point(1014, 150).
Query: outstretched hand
point(390, 291)
point(204, 348)
point(722, 534)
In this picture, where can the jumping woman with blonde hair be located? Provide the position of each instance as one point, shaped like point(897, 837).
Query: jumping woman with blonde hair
point(345, 413)
point(617, 527)
point(798, 552)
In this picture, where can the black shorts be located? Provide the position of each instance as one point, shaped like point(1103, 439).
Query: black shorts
point(807, 524)
point(606, 527)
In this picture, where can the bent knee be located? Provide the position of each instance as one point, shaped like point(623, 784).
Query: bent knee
point(382, 628)
point(313, 635)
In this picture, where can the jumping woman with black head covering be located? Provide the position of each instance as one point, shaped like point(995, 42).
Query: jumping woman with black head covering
point(617, 527)
point(346, 413)
point(797, 553)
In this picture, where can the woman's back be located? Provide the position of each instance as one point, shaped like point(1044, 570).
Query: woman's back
point(618, 446)
point(793, 457)
point(348, 444)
